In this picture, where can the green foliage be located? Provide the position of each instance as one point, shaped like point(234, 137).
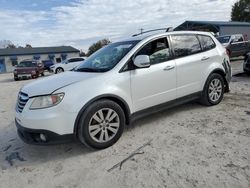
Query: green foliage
point(82, 54)
point(11, 46)
point(28, 46)
point(96, 46)
point(241, 11)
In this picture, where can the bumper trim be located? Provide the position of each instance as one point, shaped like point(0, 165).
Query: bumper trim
point(32, 136)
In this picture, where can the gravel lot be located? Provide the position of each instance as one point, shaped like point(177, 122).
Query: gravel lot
point(192, 146)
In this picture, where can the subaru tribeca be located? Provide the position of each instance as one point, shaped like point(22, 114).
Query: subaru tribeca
point(122, 81)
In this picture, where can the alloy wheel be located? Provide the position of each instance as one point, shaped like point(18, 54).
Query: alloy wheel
point(104, 125)
point(215, 90)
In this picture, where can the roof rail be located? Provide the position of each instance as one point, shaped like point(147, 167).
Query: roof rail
point(152, 30)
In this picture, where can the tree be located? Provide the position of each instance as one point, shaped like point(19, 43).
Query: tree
point(96, 46)
point(82, 54)
point(5, 43)
point(28, 46)
point(241, 11)
point(11, 46)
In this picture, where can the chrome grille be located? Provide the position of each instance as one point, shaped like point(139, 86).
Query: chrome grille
point(21, 101)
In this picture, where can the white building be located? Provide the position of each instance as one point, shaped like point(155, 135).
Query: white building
point(10, 57)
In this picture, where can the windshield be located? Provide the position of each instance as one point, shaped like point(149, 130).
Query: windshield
point(64, 61)
point(224, 39)
point(106, 58)
point(27, 64)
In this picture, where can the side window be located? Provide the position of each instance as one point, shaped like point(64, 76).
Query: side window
point(207, 42)
point(72, 60)
point(240, 39)
point(157, 50)
point(184, 45)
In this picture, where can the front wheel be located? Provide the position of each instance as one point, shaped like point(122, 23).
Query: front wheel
point(213, 90)
point(101, 124)
point(59, 70)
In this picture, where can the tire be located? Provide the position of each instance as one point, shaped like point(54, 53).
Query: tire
point(59, 70)
point(16, 79)
point(42, 74)
point(213, 90)
point(105, 132)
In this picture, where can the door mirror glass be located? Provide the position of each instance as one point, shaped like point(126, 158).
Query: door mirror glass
point(142, 61)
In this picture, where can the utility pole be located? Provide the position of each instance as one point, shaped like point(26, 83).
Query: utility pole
point(141, 30)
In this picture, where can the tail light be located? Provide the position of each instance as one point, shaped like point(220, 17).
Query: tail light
point(228, 52)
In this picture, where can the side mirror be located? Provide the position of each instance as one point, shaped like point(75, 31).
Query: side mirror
point(142, 61)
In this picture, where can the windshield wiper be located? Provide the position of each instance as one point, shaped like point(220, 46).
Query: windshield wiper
point(87, 70)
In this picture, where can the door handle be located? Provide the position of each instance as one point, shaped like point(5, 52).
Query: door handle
point(204, 58)
point(169, 67)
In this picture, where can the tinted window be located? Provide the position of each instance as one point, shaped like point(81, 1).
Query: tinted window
point(75, 60)
point(158, 51)
point(27, 64)
point(238, 39)
point(207, 42)
point(224, 39)
point(184, 45)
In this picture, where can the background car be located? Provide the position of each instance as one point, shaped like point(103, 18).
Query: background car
point(235, 44)
point(67, 64)
point(47, 64)
point(28, 69)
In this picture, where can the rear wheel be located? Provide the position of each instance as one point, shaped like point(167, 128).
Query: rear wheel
point(101, 124)
point(213, 90)
point(42, 74)
point(15, 78)
point(59, 70)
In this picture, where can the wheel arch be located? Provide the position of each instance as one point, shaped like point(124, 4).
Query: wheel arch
point(223, 74)
point(121, 102)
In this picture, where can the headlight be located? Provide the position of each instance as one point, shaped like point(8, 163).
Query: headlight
point(46, 101)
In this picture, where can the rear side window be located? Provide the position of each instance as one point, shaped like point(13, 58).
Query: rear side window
point(207, 42)
point(184, 45)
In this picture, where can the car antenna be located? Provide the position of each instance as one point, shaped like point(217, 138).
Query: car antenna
point(152, 30)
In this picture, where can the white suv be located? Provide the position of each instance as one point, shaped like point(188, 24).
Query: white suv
point(120, 82)
point(67, 64)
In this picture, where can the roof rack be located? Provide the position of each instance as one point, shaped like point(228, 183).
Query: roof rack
point(152, 30)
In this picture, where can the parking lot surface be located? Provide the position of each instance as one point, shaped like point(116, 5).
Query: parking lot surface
point(192, 146)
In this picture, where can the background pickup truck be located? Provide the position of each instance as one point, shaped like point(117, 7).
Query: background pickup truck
point(235, 44)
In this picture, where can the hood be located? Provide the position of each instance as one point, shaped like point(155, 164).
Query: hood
point(48, 85)
point(25, 69)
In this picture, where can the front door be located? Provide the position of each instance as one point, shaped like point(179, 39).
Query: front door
point(2, 66)
point(156, 84)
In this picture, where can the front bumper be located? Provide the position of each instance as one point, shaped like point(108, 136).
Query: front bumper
point(33, 136)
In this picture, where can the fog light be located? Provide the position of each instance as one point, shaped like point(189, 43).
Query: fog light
point(43, 137)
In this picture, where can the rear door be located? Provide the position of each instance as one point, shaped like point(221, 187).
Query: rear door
point(238, 46)
point(190, 63)
point(156, 84)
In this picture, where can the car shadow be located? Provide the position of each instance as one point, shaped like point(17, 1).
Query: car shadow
point(242, 74)
point(13, 151)
point(165, 113)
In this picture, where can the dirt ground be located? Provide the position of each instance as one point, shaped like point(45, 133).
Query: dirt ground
point(192, 146)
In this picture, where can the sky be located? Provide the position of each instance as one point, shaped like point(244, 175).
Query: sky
point(79, 23)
